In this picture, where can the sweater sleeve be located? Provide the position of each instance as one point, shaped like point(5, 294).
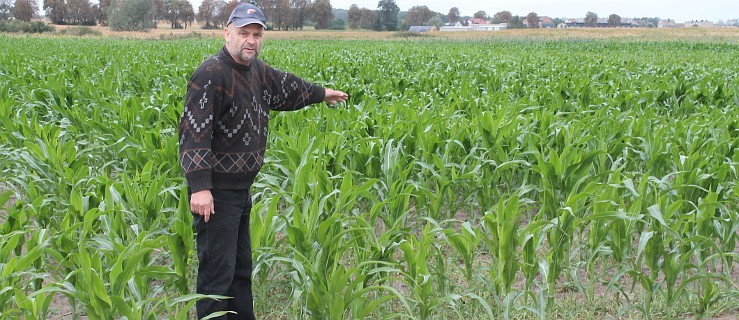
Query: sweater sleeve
point(290, 92)
point(196, 131)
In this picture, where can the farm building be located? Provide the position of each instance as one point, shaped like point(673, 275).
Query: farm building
point(475, 27)
point(421, 29)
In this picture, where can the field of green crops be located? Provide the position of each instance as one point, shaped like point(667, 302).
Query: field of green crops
point(514, 178)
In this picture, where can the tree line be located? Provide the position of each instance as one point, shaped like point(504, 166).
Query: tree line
point(141, 15)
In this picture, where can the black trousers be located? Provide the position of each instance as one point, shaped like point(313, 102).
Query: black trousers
point(224, 256)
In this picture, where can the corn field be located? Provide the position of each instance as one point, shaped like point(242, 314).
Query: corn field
point(463, 179)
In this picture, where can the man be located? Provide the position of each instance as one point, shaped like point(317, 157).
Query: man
point(223, 137)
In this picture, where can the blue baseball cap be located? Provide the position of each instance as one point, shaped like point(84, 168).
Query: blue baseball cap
point(245, 14)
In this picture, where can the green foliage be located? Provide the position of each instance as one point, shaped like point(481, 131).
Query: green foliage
point(24, 26)
point(80, 31)
point(452, 184)
point(338, 24)
point(408, 34)
point(131, 15)
point(387, 16)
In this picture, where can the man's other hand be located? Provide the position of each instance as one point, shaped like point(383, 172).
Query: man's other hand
point(201, 203)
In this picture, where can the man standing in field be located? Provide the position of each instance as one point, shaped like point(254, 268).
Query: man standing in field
point(223, 137)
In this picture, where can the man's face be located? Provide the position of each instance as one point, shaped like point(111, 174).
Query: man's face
point(245, 43)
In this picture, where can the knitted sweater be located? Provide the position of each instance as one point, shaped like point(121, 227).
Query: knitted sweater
point(223, 129)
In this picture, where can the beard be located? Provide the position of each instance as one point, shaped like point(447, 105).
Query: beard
point(247, 56)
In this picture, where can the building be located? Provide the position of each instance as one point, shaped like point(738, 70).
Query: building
point(474, 27)
point(601, 23)
point(421, 29)
point(669, 23)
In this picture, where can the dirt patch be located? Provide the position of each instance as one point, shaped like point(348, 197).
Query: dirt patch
point(61, 309)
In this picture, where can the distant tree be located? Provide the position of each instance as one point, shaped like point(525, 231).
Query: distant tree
point(368, 19)
point(591, 19)
point(453, 15)
point(354, 16)
point(282, 15)
point(419, 16)
point(226, 11)
point(436, 22)
point(338, 24)
point(131, 15)
point(502, 17)
point(25, 9)
point(208, 14)
point(56, 11)
point(159, 11)
point(7, 8)
point(532, 20)
point(387, 15)
point(178, 13)
point(300, 13)
point(516, 22)
point(321, 14)
point(100, 11)
point(480, 15)
point(649, 22)
point(187, 12)
point(79, 12)
point(614, 20)
point(558, 21)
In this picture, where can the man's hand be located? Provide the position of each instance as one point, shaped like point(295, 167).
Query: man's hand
point(201, 203)
point(333, 97)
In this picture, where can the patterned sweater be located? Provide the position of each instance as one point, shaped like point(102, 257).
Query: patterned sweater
point(223, 129)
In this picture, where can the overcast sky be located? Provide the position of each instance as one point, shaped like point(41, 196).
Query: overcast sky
point(679, 10)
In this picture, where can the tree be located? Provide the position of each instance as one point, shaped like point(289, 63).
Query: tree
point(387, 17)
point(502, 17)
point(368, 18)
point(56, 11)
point(354, 16)
point(614, 20)
point(282, 15)
point(649, 22)
point(6, 9)
point(480, 15)
point(532, 20)
point(419, 16)
point(453, 15)
point(25, 9)
point(80, 12)
point(591, 19)
point(100, 12)
point(131, 15)
point(226, 12)
point(321, 14)
point(516, 22)
point(338, 24)
point(436, 22)
point(300, 10)
point(178, 12)
point(208, 13)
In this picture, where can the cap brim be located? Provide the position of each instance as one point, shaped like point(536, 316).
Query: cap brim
point(242, 22)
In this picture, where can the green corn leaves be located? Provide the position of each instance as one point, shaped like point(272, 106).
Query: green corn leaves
point(462, 179)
